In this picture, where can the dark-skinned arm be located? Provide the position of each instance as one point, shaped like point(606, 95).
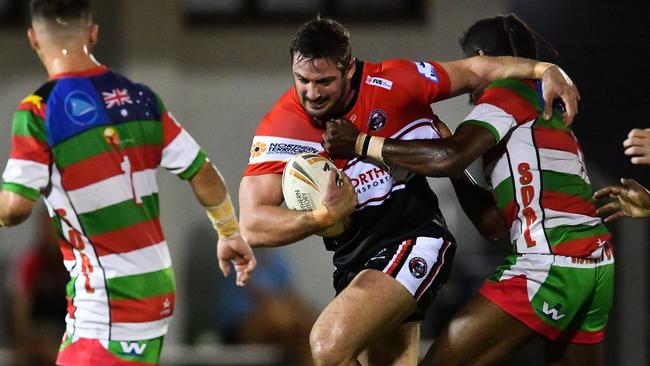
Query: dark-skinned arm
point(479, 206)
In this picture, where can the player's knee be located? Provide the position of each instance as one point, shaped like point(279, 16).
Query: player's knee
point(327, 349)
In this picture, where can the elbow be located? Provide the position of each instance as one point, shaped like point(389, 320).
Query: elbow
point(249, 233)
point(445, 163)
point(14, 218)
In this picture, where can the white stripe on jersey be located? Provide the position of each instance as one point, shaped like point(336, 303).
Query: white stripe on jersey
point(425, 131)
point(113, 190)
point(557, 218)
point(501, 120)
point(57, 199)
point(523, 156)
point(562, 162)
point(149, 259)
point(271, 148)
point(91, 314)
point(180, 153)
point(139, 331)
point(535, 267)
point(27, 173)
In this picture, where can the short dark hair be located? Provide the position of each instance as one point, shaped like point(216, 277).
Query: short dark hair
point(66, 10)
point(504, 35)
point(323, 38)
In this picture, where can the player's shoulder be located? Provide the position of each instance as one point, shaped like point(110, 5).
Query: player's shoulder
point(528, 91)
point(287, 118)
point(36, 101)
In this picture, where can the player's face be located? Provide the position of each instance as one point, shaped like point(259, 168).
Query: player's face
point(321, 87)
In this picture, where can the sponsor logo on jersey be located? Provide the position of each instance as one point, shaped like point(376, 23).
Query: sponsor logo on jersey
point(418, 267)
point(377, 120)
point(133, 348)
point(427, 70)
point(382, 83)
point(552, 313)
point(112, 137)
point(258, 149)
point(80, 108)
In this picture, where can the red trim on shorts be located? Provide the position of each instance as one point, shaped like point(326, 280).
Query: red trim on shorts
point(511, 296)
point(583, 337)
point(87, 351)
point(398, 258)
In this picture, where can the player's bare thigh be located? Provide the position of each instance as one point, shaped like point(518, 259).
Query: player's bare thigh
point(479, 334)
point(568, 354)
point(371, 306)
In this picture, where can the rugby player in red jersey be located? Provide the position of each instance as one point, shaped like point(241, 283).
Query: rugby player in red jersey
point(396, 251)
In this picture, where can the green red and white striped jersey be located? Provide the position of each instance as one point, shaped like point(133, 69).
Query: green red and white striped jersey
point(91, 143)
point(537, 173)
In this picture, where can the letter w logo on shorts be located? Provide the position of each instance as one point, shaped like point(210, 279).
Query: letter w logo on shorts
point(552, 313)
point(133, 348)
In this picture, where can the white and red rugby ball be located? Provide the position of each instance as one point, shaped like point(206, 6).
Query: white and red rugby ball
point(304, 183)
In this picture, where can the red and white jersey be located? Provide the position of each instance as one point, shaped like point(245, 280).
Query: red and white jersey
point(393, 100)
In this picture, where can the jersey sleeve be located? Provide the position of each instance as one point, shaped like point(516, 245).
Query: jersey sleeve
point(181, 154)
point(431, 81)
point(502, 106)
point(27, 172)
point(282, 133)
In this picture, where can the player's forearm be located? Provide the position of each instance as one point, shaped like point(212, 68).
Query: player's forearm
point(479, 206)
point(272, 226)
point(488, 69)
point(208, 186)
point(434, 158)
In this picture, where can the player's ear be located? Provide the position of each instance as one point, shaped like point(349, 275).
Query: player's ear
point(33, 40)
point(352, 67)
point(92, 36)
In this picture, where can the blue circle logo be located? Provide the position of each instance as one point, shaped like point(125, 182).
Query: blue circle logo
point(81, 108)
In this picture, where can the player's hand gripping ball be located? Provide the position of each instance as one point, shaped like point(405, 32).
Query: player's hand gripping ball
point(304, 184)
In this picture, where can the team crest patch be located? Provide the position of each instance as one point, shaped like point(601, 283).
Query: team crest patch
point(418, 267)
point(377, 120)
point(81, 108)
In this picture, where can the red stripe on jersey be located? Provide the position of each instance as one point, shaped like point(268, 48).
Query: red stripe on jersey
point(29, 148)
point(142, 310)
point(66, 250)
point(171, 129)
point(580, 248)
point(270, 167)
point(563, 202)
point(36, 109)
point(509, 213)
point(107, 164)
point(511, 102)
point(130, 238)
point(551, 138)
point(398, 257)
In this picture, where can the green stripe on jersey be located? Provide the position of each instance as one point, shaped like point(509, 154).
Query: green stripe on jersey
point(26, 123)
point(21, 190)
point(563, 233)
point(490, 128)
point(520, 89)
point(142, 286)
point(570, 184)
point(504, 193)
point(195, 166)
point(120, 215)
point(555, 122)
point(91, 142)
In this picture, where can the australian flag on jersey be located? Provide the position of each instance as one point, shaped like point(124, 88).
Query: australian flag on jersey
point(79, 103)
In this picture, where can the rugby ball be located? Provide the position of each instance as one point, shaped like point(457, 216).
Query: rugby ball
point(304, 183)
